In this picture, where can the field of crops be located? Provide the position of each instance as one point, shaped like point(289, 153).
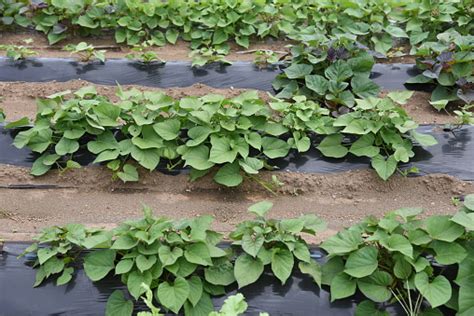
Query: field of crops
point(182, 156)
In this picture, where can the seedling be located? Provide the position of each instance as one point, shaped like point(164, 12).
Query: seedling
point(265, 57)
point(16, 52)
point(144, 54)
point(86, 52)
point(207, 55)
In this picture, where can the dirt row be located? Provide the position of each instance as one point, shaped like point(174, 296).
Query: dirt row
point(18, 98)
point(177, 52)
point(90, 196)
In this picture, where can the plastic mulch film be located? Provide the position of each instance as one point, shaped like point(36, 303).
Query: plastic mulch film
point(172, 74)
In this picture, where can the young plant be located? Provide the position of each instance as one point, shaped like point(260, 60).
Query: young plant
point(334, 74)
point(144, 53)
point(277, 243)
point(265, 57)
point(86, 52)
point(383, 132)
point(402, 257)
point(16, 52)
point(234, 305)
point(448, 65)
point(208, 55)
point(57, 249)
point(2, 116)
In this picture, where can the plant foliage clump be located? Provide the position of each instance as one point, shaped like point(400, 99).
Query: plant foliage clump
point(237, 136)
point(180, 264)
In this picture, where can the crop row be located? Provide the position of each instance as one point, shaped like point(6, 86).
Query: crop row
point(212, 23)
point(336, 71)
point(238, 136)
point(398, 258)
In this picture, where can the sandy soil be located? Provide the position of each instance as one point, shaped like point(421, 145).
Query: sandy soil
point(178, 52)
point(89, 196)
point(18, 98)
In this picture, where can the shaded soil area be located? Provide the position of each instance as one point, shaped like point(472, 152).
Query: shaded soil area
point(177, 52)
point(90, 196)
point(18, 98)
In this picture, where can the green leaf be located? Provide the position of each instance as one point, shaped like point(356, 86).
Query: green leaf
point(247, 269)
point(66, 146)
point(464, 219)
point(448, 252)
point(39, 167)
point(397, 242)
point(442, 228)
point(423, 139)
point(198, 134)
point(437, 292)
point(252, 244)
point(384, 167)
point(171, 35)
point(364, 87)
point(124, 242)
point(147, 158)
point(296, 71)
point(313, 269)
point(99, 263)
point(338, 71)
point(198, 158)
point(376, 287)
point(135, 280)
point(342, 243)
point(251, 165)
point(203, 308)
point(65, 277)
point(402, 268)
point(129, 173)
point(362, 262)
point(222, 151)
point(400, 97)
point(364, 146)
point(172, 295)
point(469, 201)
point(366, 308)
point(229, 175)
point(145, 263)
point(342, 286)
point(282, 264)
point(117, 305)
point(317, 83)
point(260, 208)
point(220, 274)
point(395, 31)
point(274, 147)
point(124, 266)
point(44, 254)
point(195, 290)
point(168, 129)
point(331, 146)
point(330, 269)
point(24, 121)
point(168, 256)
point(419, 79)
point(198, 253)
